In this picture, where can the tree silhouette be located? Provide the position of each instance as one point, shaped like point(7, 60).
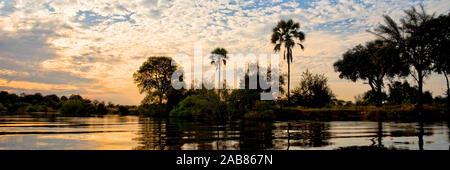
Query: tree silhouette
point(287, 33)
point(439, 36)
point(219, 56)
point(372, 62)
point(411, 38)
point(154, 77)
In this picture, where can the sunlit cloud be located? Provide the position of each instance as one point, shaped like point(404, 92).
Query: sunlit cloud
point(93, 47)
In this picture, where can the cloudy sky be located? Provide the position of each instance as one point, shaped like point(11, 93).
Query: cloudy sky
point(93, 47)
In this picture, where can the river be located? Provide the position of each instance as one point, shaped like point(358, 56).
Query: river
point(112, 132)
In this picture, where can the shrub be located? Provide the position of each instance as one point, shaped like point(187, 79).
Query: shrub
point(153, 110)
point(75, 107)
point(197, 105)
point(18, 107)
point(123, 110)
point(312, 91)
point(36, 108)
point(262, 110)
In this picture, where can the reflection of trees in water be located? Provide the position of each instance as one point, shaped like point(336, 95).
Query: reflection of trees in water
point(150, 134)
point(307, 134)
point(176, 134)
point(418, 131)
point(448, 130)
point(256, 135)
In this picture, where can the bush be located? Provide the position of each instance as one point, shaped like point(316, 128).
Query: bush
point(312, 91)
point(101, 109)
point(266, 115)
point(36, 108)
point(262, 110)
point(123, 110)
point(197, 105)
point(75, 107)
point(1, 107)
point(153, 110)
point(18, 107)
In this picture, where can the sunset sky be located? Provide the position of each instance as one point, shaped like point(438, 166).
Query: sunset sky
point(93, 47)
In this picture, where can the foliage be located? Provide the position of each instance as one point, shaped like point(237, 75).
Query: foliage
point(101, 108)
point(287, 33)
point(403, 93)
point(439, 37)
point(412, 39)
point(36, 108)
point(372, 62)
point(370, 98)
point(154, 77)
point(123, 110)
point(76, 107)
point(160, 110)
point(206, 105)
point(312, 91)
point(262, 110)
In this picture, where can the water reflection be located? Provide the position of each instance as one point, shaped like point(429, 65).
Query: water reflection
point(143, 133)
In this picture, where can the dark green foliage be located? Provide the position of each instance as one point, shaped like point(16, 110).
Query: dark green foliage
point(312, 91)
point(158, 110)
point(206, 105)
point(76, 107)
point(36, 108)
point(73, 106)
point(262, 110)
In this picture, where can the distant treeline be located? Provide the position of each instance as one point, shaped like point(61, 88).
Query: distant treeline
point(74, 105)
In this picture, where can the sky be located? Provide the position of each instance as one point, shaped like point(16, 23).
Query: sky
point(93, 47)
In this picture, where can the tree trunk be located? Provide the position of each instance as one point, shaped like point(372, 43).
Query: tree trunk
point(448, 89)
point(379, 94)
point(160, 99)
point(420, 84)
point(289, 81)
point(218, 89)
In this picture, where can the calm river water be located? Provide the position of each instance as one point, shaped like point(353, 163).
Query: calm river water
point(132, 132)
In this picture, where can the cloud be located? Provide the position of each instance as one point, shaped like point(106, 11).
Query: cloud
point(96, 46)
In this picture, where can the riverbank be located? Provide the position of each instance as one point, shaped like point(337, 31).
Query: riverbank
point(354, 113)
point(394, 113)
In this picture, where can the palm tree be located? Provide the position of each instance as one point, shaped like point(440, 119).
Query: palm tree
point(219, 56)
point(287, 32)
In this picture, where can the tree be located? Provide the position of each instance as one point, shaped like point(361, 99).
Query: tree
point(219, 56)
point(372, 62)
point(153, 77)
point(439, 36)
point(287, 33)
point(411, 39)
point(400, 93)
point(312, 91)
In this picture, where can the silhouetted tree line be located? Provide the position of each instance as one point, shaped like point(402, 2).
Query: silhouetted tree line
point(417, 47)
point(74, 105)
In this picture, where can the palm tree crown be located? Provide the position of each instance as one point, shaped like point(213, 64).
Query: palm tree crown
point(220, 55)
